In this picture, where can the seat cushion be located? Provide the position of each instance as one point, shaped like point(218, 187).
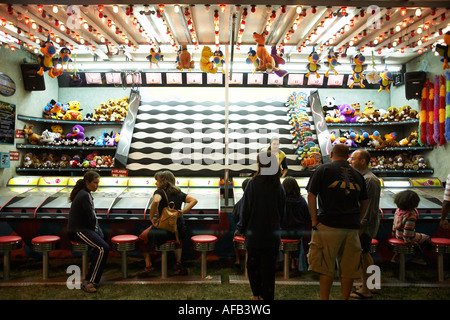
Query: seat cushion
point(374, 242)
point(397, 242)
point(45, 239)
point(290, 241)
point(10, 239)
point(239, 239)
point(203, 238)
point(440, 241)
point(124, 238)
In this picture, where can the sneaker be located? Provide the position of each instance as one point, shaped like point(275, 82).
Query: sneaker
point(88, 287)
point(180, 269)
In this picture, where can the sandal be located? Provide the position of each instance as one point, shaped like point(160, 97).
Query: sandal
point(88, 287)
point(359, 296)
point(146, 272)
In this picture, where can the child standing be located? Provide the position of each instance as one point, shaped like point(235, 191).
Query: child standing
point(405, 219)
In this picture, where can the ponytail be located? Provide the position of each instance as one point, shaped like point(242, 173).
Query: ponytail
point(81, 183)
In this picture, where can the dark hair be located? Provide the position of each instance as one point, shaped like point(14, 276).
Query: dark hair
point(166, 181)
point(244, 183)
point(406, 200)
point(341, 150)
point(364, 154)
point(266, 162)
point(81, 183)
point(291, 187)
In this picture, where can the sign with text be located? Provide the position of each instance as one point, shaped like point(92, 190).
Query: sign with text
point(174, 78)
point(274, 80)
point(113, 78)
point(336, 80)
point(20, 134)
point(295, 79)
point(153, 78)
point(314, 81)
point(236, 78)
point(194, 78)
point(214, 78)
point(119, 173)
point(14, 155)
point(256, 78)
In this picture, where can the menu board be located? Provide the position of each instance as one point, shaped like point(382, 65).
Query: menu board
point(7, 122)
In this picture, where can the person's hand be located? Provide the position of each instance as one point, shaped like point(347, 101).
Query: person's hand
point(444, 224)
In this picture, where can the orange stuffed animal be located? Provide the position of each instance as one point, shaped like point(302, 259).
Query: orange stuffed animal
point(205, 64)
point(266, 62)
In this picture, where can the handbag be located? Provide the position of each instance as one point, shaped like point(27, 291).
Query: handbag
point(167, 220)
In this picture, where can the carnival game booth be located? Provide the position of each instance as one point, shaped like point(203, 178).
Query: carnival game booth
point(33, 206)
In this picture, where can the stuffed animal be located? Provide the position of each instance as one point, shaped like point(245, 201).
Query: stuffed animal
point(357, 70)
point(205, 64)
point(392, 114)
point(26, 161)
point(385, 81)
point(101, 140)
point(357, 108)
point(77, 134)
point(33, 138)
point(444, 50)
point(57, 129)
point(278, 59)
point(218, 59)
point(404, 113)
point(266, 62)
point(332, 63)
point(184, 59)
point(312, 66)
point(65, 57)
point(331, 110)
point(48, 137)
point(155, 57)
point(252, 58)
point(45, 60)
point(74, 111)
point(347, 113)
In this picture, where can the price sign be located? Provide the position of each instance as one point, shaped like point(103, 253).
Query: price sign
point(295, 79)
point(153, 78)
point(336, 80)
point(14, 155)
point(214, 78)
point(194, 78)
point(20, 134)
point(314, 81)
point(236, 78)
point(119, 173)
point(113, 78)
point(274, 79)
point(93, 78)
point(256, 78)
point(174, 78)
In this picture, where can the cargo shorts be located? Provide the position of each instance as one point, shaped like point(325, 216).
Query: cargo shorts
point(329, 246)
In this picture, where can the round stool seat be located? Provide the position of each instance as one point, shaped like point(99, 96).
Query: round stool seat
point(167, 246)
point(289, 244)
point(9, 243)
point(79, 246)
point(374, 242)
point(45, 239)
point(239, 242)
point(441, 245)
point(374, 245)
point(400, 246)
point(124, 242)
point(204, 242)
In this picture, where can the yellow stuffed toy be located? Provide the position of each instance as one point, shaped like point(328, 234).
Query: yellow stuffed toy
point(205, 64)
point(74, 111)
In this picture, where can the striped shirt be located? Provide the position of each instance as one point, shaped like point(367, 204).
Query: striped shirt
point(447, 189)
point(404, 227)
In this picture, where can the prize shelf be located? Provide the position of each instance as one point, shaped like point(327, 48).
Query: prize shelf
point(366, 124)
point(44, 120)
point(35, 146)
point(73, 171)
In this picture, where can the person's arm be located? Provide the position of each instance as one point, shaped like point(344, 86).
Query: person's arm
point(363, 205)
point(409, 228)
point(154, 207)
point(444, 212)
point(191, 202)
point(312, 208)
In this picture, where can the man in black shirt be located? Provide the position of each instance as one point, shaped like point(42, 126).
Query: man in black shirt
point(342, 200)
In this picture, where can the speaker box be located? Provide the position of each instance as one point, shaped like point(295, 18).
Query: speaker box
point(414, 82)
point(31, 80)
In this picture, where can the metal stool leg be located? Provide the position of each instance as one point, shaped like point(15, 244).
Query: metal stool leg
point(440, 263)
point(246, 260)
point(286, 265)
point(6, 264)
point(402, 272)
point(124, 264)
point(45, 265)
point(203, 264)
point(164, 265)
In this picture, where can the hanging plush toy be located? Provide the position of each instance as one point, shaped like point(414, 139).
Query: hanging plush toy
point(447, 107)
point(312, 66)
point(385, 81)
point(252, 58)
point(278, 59)
point(155, 57)
point(436, 110)
point(218, 59)
point(205, 64)
point(423, 116)
point(442, 139)
point(266, 62)
point(444, 50)
point(332, 62)
point(184, 59)
point(357, 70)
point(65, 57)
point(45, 59)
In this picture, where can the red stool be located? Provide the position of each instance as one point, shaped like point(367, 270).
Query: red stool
point(204, 243)
point(170, 245)
point(45, 244)
point(239, 243)
point(287, 246)
point(440, 246)
point(124, 243)
point(374, 246)
point(7, 244)
point(83, 248)
point(400, 247)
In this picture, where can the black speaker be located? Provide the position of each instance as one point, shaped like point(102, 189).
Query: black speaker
point(414, 82)
point(31, 80)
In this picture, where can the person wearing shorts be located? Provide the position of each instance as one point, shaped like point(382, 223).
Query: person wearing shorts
point(337, 201)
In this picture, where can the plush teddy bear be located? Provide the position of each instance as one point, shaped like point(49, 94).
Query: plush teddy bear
point(205, 64)
point(331, 110)
point(184, 59)
point(77, 134)
point(392, 114)
point(73, 112)
point(33, 138)
point(266, 62)
point(347, 113)
point(404, 113)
